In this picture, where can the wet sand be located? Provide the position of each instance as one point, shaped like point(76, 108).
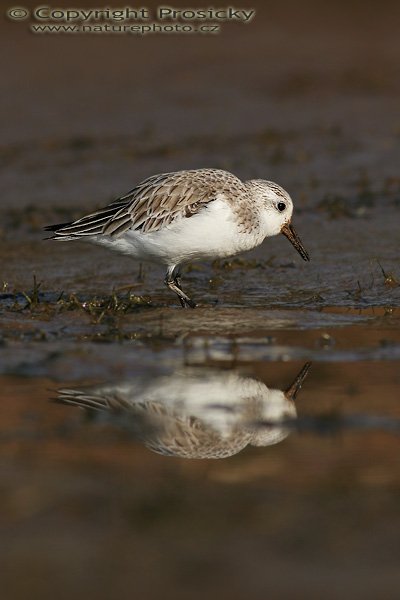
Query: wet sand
point(307, 97)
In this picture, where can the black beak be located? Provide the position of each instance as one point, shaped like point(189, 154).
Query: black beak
point(289, 231)
point(293, 389)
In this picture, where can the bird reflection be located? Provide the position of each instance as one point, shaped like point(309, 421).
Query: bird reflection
point(195, 413)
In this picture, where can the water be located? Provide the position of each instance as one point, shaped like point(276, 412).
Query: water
point(176, 488)
point(97, 500)
point(172, 487)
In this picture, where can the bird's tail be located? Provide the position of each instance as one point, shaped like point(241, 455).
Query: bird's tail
point(56, 229)
point(92, 401)
point(86, 227)
point(81, 399)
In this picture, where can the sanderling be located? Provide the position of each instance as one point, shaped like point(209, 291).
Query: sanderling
point(195, 413)
point(175, 218)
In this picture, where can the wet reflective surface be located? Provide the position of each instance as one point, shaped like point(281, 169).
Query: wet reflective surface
point(203, 414)
point(105, 476)
point(149, 452)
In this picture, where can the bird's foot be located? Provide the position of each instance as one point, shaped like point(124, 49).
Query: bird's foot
point(175, 286)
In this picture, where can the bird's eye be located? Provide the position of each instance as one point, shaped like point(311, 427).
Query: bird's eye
point(281, 206)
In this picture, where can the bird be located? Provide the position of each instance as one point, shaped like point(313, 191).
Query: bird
point(183, 216)
point(193, 413)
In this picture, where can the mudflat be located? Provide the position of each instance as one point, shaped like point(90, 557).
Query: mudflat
point(306, 96)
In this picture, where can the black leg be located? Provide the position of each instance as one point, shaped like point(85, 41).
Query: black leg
point(177, 282)
point(173, 282)
point(140, 276)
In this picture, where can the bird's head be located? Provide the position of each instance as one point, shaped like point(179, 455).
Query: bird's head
point(276, 211)
point(278, 407)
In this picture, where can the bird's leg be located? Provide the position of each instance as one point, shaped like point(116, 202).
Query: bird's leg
point(177, 281)
point(173, 282)
point(140, 275)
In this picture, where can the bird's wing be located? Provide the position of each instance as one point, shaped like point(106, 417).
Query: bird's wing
point(154, 203)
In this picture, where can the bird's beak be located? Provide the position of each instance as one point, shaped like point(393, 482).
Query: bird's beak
point(289, 232)
point(293, 389)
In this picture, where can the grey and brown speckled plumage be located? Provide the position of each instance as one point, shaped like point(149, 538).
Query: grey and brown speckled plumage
point(194, 414)
point(159, 200)
point(176, 218)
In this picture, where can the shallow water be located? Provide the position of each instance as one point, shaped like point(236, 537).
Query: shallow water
point(194, 463)
point(172, 486)
point(121, 491)
point(97, 504)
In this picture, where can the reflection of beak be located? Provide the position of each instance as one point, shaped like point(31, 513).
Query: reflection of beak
point(290, 233)
point(292, 391)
